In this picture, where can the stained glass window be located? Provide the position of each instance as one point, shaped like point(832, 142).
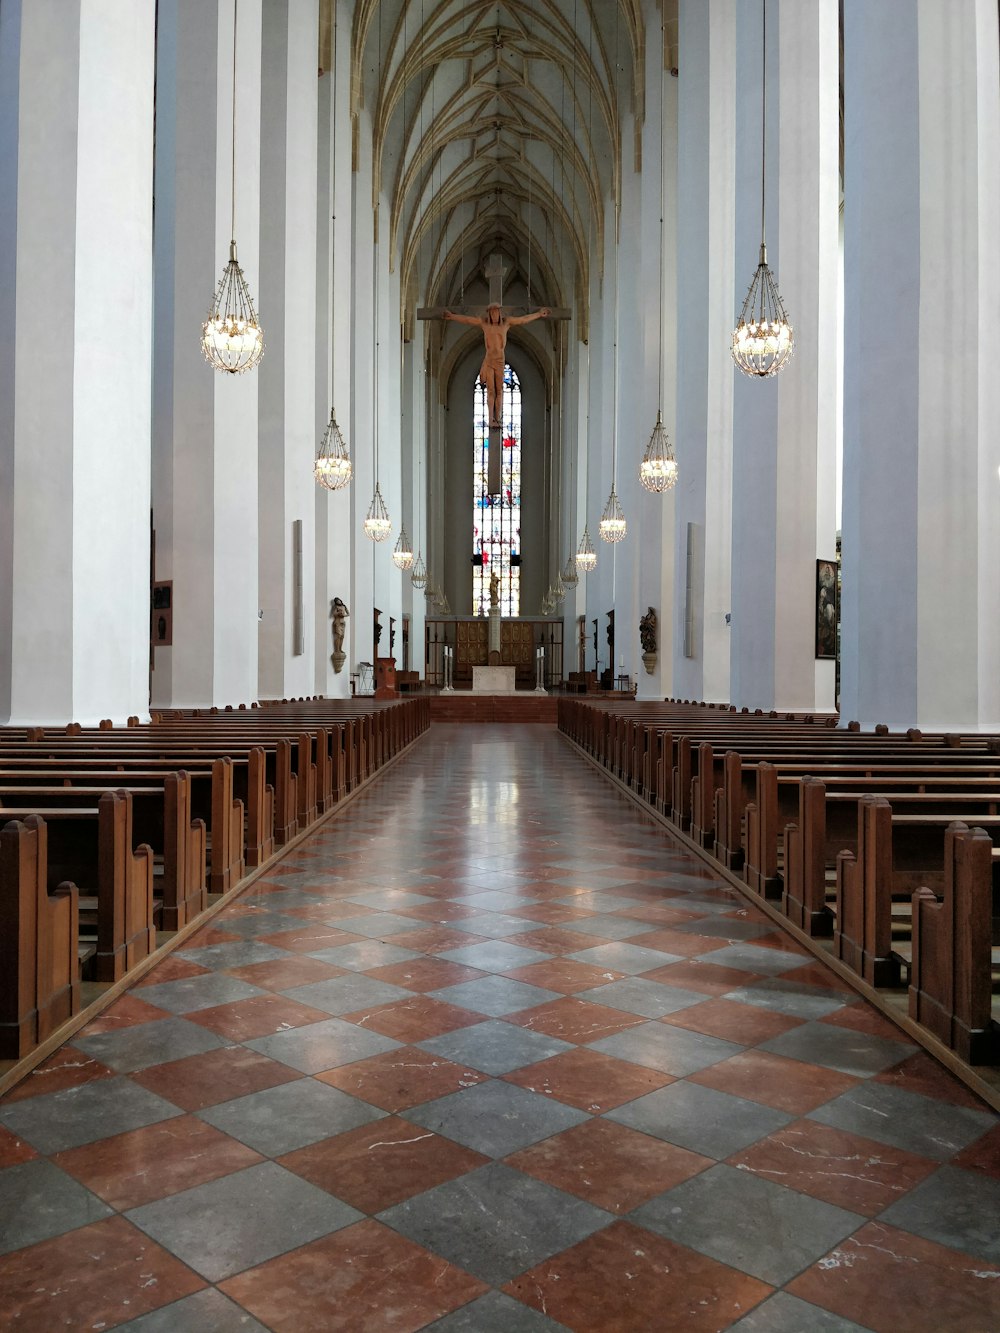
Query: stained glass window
point(496, 519)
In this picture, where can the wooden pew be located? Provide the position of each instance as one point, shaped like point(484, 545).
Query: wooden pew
point(40, 976)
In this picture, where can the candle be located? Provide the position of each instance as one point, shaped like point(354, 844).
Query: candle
point(621, 661)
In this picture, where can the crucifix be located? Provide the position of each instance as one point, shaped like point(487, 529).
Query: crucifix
point(495, 320)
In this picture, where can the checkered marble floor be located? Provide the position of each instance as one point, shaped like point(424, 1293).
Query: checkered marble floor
point(489, 1053)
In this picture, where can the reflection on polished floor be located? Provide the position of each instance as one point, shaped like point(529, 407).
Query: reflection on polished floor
point(488, 1052)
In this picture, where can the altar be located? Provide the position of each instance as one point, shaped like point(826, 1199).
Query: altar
point(494, 679)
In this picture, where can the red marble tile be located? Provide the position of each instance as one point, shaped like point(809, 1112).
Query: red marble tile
point(816, 974)
point(14, 1151)
point(435, 939)
point(328, 910)
point(214, 1076)
point(659, 915)
point(779, 940)
point(589, 1080)
point(787, 1085)
point(397, 1080)
point(67, 1068)
point(438, 912)
point(922, 1073)
point(839, 1167)
point(564, 974)
point(415, 1019)
point(377, 1165)
point(424, 974)
point(575, 1020)
point(983, 1155)
point(865, 1018)
point(608, 1165)
point(211, 934)
point(695, 974)
point(126, 1012)
point(173, 968)
point(145, 1164)
point(285, 973)
point(626, 1280)
point(679, 942)
point(365, 1277)
point(552, 913)
point(888, 1280)
point(310, 939)
point(92, 1278)
point(554, 939)
point(259, 1016)
point(745, 1023)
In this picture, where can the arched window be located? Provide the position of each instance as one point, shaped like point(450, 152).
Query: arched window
point(496, 520)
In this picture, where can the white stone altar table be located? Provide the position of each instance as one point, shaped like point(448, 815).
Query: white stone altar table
point(493, 679)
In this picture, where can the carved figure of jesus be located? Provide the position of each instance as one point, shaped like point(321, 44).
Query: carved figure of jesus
point(339, 613)
point(495, 326)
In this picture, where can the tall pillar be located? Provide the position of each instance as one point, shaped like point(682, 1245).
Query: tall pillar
point(287, 374)
point(921, 541)
point(76, 137)
point(705, 223)
point(205, 422)
point(784, 429)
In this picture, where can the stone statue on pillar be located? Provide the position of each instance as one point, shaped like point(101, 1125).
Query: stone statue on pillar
point(339, 614)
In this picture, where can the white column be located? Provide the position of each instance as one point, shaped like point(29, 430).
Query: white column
point(705, 224)
point(784, 429)
point(287, 385)
point(361, 350)
point(76, 135)
point(921, 541)
point(205, 422)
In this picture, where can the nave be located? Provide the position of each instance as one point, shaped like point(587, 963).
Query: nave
point(488, 1051)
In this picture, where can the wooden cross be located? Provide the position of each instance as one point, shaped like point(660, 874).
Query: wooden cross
point(494, 272)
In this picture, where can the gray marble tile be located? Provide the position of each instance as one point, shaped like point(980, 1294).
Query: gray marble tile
point(189, 994)
point(499, 900)
point(495, 995)
point(495, 1222)
point(347, 994)
point(843, 1049)
point(495, 1118)
point(715, 1124)
point(906, 1120)
point(750, 1224)
point(634, 995)
point(389, 899)
point(234, 953)
point(785, 997)
point(607, 927)
point(377, 925)
point(495, 1047)
point(628, 958)
point(756, 958)
point(363, 955)
point(206, 1311)
point(727, 928)
point(39, 1201)
point(242, 1220)
point(493, 925)
point(130, 1049)
point(674, 1050)
point(253, 925)
point(279, 1120)
point(93, 1111)
point(319, 1046)
point(495, 1313)
point(495, 955)
point(957, 1208)
point(783, 1313)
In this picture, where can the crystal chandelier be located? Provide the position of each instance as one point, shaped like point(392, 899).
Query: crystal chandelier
point(612, 526)
point(402, 555)
point(763, 340)
point(333, 467)
point(559, 591)
point(586, 556)
point(418, 575)
point(658, 469)
point(231, 337)
point(570, 577)
point(378, 524)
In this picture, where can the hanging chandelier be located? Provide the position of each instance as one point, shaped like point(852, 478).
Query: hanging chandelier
point(333, 467)
point(418, 575)
point(612, 526)
point(658, 469)
point(586, 556)
point(231, 337)
point(763, 340)
point(378, 524)
point(570, 577)
point(402, 555)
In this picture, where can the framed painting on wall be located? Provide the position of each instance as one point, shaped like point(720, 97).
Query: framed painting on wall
point(826, 608)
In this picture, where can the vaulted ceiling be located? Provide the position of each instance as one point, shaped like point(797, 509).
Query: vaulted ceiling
point(497, 125)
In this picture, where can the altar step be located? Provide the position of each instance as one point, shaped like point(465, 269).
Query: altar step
point(463, 706)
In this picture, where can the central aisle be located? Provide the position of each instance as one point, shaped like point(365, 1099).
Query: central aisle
point(488, 1052)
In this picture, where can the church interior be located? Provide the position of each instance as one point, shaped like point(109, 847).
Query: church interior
point(500, 709)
